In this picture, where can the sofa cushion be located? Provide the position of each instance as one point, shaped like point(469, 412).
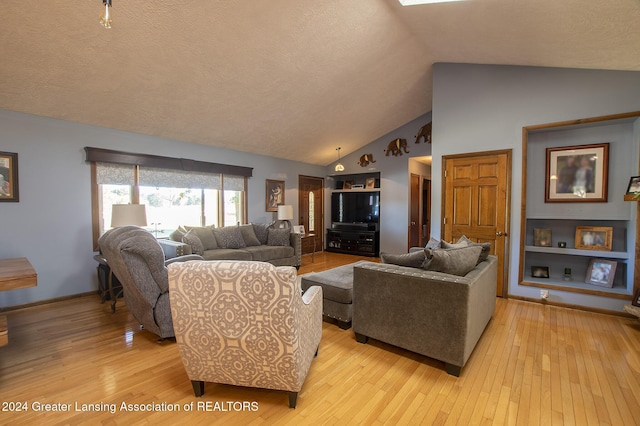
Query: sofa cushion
point(262, 232)
point(229, 237)
point(433, 244)
point(249, 235)
point(414, 259)
point(227, 254)
point(278, 237)
point(455, 261)
point(267, 253)
point(205, 233)
point(192, 239)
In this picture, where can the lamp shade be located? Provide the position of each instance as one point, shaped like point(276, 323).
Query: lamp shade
point(285, 212)
point(128, 214)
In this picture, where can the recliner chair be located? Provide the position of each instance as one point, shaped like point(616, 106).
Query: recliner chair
point(137, 260)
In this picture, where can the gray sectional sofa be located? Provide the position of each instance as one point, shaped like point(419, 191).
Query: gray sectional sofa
point(258, 241)
point(435, 314)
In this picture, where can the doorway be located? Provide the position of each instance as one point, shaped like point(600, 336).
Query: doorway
point(477, 199)
point(419, 210)
point(311, 211)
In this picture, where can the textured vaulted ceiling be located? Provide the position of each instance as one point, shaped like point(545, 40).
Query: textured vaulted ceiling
point(288, 78)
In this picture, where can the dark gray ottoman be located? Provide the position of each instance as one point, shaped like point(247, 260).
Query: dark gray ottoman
point(337, 292)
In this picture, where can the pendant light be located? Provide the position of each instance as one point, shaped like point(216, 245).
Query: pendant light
point(105, 18)
point(339, 166)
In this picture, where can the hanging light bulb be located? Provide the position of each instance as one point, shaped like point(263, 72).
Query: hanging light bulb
point(339, 166)
point(105, 18)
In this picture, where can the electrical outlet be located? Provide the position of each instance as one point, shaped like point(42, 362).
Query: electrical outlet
point(544, 294)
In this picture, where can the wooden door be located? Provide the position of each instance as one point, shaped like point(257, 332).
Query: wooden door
point(477, 201)
point(414, 212)
point(311, 211)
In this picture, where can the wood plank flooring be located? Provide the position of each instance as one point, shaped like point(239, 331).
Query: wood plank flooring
point(534, 364)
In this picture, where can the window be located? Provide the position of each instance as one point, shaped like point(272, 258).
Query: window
point(172, 197)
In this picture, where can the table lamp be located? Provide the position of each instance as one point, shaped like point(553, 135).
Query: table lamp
point(128, 214)
point(285, 214)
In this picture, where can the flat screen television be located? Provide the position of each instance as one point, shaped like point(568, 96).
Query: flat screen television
point(355, 207)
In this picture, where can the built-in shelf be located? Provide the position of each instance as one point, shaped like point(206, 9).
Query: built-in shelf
point(576, 252)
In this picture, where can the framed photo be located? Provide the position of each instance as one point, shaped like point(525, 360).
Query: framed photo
point(298, 229)
point(577, 174)
point(636, 298)
point(634, 185)
point(594, 238)
point(601, 272)
point(9, 177)
point(348, 184)
point(370, 183)
point(274, 194)
point(540, 271)
point(542, 237)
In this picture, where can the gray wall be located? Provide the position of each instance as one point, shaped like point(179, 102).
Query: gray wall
point(484, 107)
point(51, 225)
point(394, 181)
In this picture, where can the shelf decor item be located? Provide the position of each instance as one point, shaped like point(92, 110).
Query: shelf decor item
point(567, 274)
point(274, 196)
point(601, 272)
point(633, 189)
point(540, 271)
point(371, 183)
point(594, 238)
point(542, 237)
point(9, 177)
point(577, 173)
point(348, 184)
point(636, 298)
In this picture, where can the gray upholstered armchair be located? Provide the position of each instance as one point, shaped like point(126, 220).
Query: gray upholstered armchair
point(137, 260)
point(244, 323)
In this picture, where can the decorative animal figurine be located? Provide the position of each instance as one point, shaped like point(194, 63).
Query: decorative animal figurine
point(424, 132)
point(365, 159)
point(396, 146)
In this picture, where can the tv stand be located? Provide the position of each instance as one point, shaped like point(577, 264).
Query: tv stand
point(353, 240)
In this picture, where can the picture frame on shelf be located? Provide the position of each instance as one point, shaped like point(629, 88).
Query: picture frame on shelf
point(601, 272)
point(298, 229)
point(577, 174)
point(540, 271)
point(274, 195)
point(348, 184)
point(633, 189)
point(594, 238)
point(542, 237)
point(370, 183)
point(9, 177)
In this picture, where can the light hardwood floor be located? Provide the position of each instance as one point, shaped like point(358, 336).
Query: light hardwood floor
point(535, 364)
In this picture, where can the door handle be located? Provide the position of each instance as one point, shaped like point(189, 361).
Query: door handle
point(499, 234)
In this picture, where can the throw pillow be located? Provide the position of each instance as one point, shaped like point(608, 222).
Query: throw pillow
point(413, 260)
point(459, 244)
point(229, 237)
point(249, 235)
point(205, 234)
point(486, 248)
point(192, 239)
point(278, 237)
point(433, 244)
point(178, 234)
point(455, 261)
point(262, 232)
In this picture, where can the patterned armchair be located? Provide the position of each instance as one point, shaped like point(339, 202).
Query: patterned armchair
point(136, 258)
point(244, 323)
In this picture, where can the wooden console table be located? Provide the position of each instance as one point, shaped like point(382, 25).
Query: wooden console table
point(14, 274)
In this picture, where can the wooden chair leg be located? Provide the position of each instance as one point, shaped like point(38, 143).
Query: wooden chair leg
point(198, 387)
point(293, 399)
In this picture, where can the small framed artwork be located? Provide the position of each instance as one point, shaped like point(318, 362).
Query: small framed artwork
point(542, 237)
point(636, 298)
point(594, 238)
point(634, 185)
point(348, 184)
point(298, 229)
point(9, 177)
point(601, 272)
point(274, 195)
point(540, 271)
point(370, 183)
point(577, 174)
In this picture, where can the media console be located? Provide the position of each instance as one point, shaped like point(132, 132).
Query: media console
point(354, 239)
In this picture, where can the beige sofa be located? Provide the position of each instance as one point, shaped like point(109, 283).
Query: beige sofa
point(259, 242)
point(435, 314)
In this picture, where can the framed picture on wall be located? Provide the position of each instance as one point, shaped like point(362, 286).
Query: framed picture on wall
point(577, 174)
point(274, 196)
point(9, 177)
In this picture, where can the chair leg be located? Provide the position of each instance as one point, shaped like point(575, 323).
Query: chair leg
point(318, 348)
point(293, 399)
point(198, 387)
